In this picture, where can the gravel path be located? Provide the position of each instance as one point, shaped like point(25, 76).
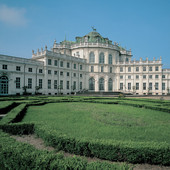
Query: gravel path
point(39, 144)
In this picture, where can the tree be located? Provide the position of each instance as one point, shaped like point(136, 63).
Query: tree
point(36, 89)
point(25, 90)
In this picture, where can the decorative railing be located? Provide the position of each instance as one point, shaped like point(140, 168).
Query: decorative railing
point(99, 45)
point(19, 60)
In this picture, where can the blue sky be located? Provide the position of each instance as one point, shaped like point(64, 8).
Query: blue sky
point(142, 25)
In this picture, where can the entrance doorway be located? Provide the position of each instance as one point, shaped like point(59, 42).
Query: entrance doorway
point(3, 85)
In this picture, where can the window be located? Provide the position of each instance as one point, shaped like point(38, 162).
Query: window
point(129, 86)
point(61, 73)
point(74, 66)
point(18, 81)
point(110, 69)
point(77, 53)
point(121, 77)
point(156, 76)
point(40, 70)
point(163, 76)
point(144, 86)
point(144, 68)
point(55, 72)
point(156, 68)
point(55, 62)
point(156, 86)
point(74, 85)
point(68, 85)
point(49, 71)
point(101, 58)
point(74, 74)
point(127, 59)
point(137, 76)
point(137, 69)
point(91, 58)
point(68, 74)
point(150, 86)
point(92, 68)
point(81, 85)
point(101, 69)
point(49, 84)
point(29, 83)
point(150, 68)
point(40, 83)
point(68, 65)
point(121, 69)
point(61, 63)
point(61, 84)
point(121, 86)
point(18, 68)
point(137, 86)
point(110, 59)
point(91, 84)
point(55, 84)
point(81, 67)
point(144, 76)
point(129, 77)
point(29, 69)
point(163, 86)
point(101, 84)
point(110, 85)
point(81, 75)
point(4, 67)
point(129, 69)
point(49, 61)
point(150, 76)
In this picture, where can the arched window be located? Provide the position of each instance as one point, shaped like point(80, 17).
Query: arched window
point(91, 57)
point(91, 84)
point(3, 85)
point(110, 59)
point(101, 84)
point(101, 58)
point(110, 85)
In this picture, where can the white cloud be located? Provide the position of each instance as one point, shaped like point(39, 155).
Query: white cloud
point(12, 16)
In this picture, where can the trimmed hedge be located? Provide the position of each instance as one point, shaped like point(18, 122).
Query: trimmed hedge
point(6, 106)
point(140, 152)
point(14, 114)
point(132, 152)
point(18, 129)
point(137, 104)
point(16, 155)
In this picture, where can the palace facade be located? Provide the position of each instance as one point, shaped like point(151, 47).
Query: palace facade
point(91, 63)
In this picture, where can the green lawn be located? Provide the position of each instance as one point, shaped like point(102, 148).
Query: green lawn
point(102, 121)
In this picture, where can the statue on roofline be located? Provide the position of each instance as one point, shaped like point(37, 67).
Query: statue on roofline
point(94, 29)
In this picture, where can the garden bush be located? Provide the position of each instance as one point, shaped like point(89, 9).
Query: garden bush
point(18, 128)
point(6, 106)
point(16, 155)
point(14, 114)
point(132, 152)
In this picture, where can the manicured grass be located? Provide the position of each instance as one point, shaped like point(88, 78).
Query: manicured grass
point(101, 121)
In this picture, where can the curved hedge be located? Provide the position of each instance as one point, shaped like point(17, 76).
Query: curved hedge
point(16, 155)
point(132, 152)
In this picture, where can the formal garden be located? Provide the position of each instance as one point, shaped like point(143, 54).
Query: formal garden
point(85, 132)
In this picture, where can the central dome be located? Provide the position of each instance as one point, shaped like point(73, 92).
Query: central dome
point(93, 37)
point(93, 34)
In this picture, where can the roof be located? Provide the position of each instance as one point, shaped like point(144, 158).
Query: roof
point(93, 37)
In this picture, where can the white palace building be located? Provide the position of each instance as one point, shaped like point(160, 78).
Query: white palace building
point(91, 64)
